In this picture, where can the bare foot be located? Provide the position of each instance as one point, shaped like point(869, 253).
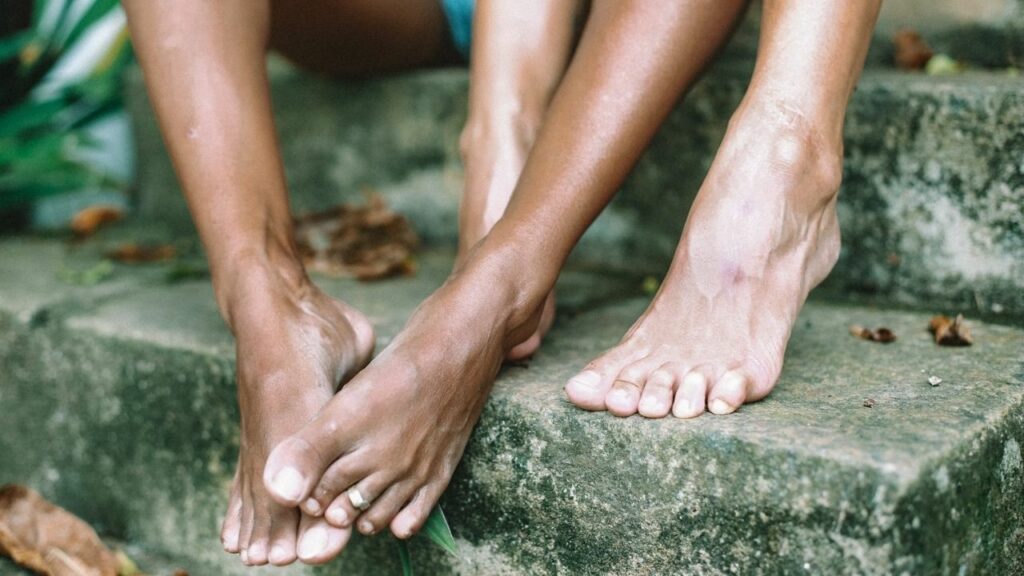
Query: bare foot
point(761, 234)
point(396, 432)
point(494, 154)
point(294, 347)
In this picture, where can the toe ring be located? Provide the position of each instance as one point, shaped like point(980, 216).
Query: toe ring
point(356, 498)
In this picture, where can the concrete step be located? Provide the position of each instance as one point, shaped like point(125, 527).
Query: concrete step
point(117, 401)
point(931, 202)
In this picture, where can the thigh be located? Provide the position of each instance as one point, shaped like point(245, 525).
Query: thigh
point(362, 37)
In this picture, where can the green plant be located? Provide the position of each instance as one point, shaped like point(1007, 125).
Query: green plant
point(41, 131)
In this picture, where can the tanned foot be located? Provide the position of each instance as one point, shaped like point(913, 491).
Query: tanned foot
point(398, 429)
point(761, 234)
point(294, 347)
point(494, 154)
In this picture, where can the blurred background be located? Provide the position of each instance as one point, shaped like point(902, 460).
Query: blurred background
point(64, 136)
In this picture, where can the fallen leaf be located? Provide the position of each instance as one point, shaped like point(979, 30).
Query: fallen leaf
point(48, 539)
point(125, 565)
point(366, 242)
point(869, 402)
point(881, 335)
point(910, 51)
point(132, 253)
point(88, 220)
point(950, 332)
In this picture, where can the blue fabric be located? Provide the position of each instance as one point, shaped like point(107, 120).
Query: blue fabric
point(460, 21)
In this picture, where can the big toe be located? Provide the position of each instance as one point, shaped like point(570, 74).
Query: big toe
point(292, 470)
point(587, 390)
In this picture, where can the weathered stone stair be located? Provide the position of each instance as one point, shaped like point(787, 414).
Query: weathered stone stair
point(117, 400)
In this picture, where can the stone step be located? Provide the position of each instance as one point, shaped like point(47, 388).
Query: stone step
point(118, 403)
point(931, 203)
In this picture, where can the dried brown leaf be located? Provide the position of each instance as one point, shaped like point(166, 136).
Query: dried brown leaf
point(132, 253)
point(48, 539)
point(950, 331)
point(88, 220)
point(882, 335)
point(366, 242)
point(910, 51)
point(869, 402)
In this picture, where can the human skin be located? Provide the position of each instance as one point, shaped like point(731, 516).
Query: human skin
point(204, 65)
point(396, 431)
point(761, 234)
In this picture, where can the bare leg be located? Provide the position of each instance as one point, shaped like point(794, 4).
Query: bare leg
point(398, 429)
point(204, 64)
point(761, 234)
point(520, 51)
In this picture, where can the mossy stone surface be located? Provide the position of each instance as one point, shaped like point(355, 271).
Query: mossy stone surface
point(121, 407)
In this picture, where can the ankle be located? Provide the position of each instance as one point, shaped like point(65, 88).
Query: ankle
point(255, 276)
point(802, 143)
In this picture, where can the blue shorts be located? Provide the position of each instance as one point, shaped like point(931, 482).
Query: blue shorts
point(460, 20)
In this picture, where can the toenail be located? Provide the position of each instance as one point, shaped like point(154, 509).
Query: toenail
point(278, 554)
point(651, 404)
point(312, 507)
point(337, 516)
point(314, 541)
point(620, 394)
point(245, 556)
point(366, 527)
point(683, 407)
point(288, 483)
point(587, 379)
point(256, 550)
point(719, 406)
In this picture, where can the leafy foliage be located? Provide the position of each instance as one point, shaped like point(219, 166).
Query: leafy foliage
point(41, 131)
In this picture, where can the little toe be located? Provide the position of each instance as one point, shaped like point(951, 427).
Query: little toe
point(656, 398)
point(319, 542)
point(283, 532)
point(728, 393)
point(691, 395)
point(232, 522)
point(415, 513)
point(624, 396)
point(588, 389)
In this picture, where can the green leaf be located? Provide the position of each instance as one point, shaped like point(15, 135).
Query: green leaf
point(405, 557)
point(438, 531)
point(30, 114)
point(92, 14)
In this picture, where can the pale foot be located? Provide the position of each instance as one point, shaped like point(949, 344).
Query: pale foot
point(761, 234)
point(494, 153)
point(398, 429)
point(294, 347)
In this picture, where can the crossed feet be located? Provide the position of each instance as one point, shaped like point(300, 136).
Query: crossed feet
point(761, 234)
